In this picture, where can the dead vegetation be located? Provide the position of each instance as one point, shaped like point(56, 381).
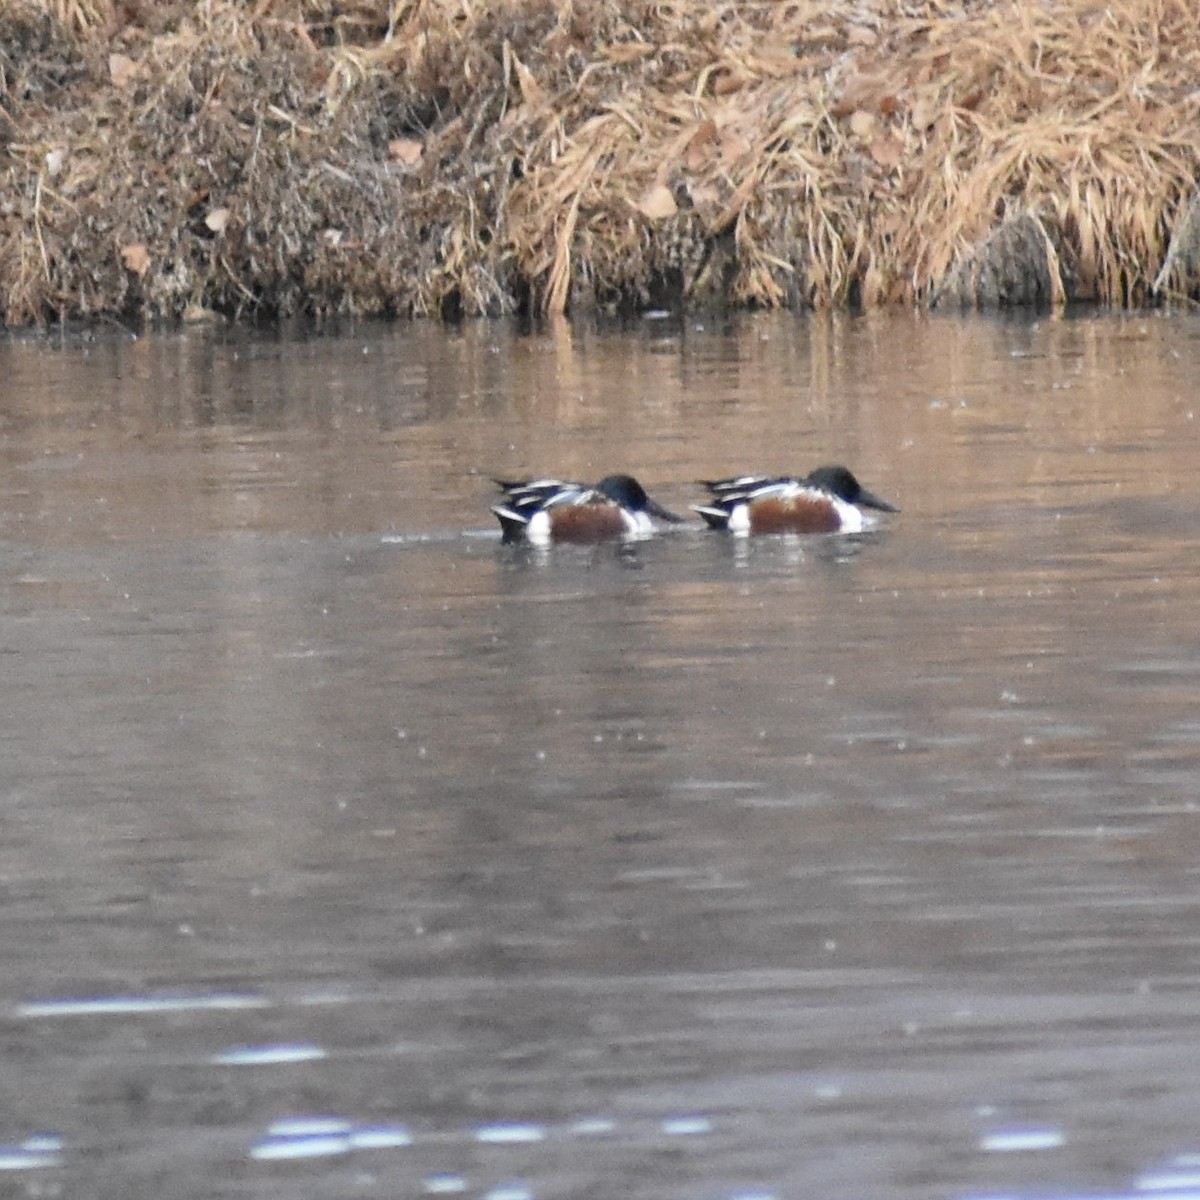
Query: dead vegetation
point(163, 158)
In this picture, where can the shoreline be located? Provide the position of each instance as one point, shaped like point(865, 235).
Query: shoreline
point(175, 161)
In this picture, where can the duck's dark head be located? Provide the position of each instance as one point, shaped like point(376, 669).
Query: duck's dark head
point(628, 493)
point(840, 482)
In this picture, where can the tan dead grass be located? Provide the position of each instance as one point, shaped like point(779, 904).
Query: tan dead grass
point(447, 156)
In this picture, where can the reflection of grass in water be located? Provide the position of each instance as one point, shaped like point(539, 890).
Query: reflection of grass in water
point(456, 158)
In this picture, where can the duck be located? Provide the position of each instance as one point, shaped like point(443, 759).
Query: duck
point(546, 510)
point(827, 500)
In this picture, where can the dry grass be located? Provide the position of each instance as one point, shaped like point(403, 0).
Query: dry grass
point(452, 156)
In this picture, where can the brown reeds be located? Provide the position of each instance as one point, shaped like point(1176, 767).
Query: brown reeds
point(452, 156)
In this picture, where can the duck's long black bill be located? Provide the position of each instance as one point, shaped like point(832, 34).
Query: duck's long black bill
point(870, 500)
point(663, 514)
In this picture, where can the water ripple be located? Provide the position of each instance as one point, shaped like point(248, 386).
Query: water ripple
point(90, 1006)
point(37, 1150)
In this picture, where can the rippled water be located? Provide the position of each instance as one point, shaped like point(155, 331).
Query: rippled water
point(347, 852)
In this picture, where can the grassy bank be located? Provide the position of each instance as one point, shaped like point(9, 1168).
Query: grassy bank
point(452, 157)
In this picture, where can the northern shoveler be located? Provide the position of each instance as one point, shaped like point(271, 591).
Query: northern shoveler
point(829, 500)
point(544, 510)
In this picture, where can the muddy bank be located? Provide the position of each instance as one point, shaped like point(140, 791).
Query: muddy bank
point(438, 157)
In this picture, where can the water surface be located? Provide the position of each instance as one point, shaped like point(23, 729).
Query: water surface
point(348, 852)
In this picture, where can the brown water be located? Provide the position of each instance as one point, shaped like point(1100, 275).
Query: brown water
point(697, 869)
